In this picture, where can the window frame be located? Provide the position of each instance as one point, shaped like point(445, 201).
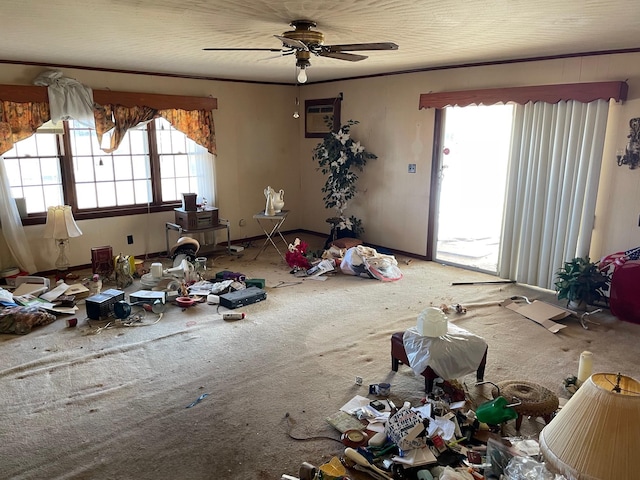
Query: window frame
point(39, 94)
point(69, 191)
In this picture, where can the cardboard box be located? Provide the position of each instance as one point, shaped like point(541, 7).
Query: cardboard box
point(540, 312)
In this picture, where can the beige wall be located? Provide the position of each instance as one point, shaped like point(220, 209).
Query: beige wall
point(394, 205)
point(260, 144)
point(257, 146)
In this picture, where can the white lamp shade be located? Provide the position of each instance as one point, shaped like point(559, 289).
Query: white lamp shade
point(60, 223)
point(596, 435)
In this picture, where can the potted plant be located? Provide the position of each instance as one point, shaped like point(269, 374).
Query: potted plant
point(338, 155)
point(581, 283)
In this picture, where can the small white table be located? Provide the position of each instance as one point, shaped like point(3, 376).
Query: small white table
point(276, 220)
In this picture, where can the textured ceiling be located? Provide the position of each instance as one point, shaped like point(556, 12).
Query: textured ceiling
point(167, 36)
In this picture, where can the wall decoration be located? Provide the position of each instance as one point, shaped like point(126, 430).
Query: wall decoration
point(631, 155)
point(321, 116)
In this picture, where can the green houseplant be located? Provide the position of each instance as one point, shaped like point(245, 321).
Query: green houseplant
point(338, 155)
point(581, 283)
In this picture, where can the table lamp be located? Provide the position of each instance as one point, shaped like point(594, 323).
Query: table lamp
point(61, 226)
point(596, 435)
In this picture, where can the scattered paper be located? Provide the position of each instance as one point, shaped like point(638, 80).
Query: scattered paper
point(424, 410)
point(323, 267)
point(33, 301)
point(376, 426)
point(54, 293)
point(76, 289)
point(447, 427)
point(29, 300)
point(354, 404)
point(417, 456)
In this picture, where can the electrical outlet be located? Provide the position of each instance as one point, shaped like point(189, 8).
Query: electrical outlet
point(129, 239)
point(412, 168)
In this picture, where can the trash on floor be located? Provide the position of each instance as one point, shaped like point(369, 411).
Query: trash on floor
point(540, 312)
point(441, 438)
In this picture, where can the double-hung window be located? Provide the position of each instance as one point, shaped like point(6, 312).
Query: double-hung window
point(151, 169)
point(34, 168)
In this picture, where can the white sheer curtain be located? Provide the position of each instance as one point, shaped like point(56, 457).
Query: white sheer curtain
point(552, 183)
point(205, 170)
point(12, 225)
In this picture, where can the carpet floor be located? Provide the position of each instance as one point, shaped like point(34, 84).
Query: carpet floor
point(111, 403)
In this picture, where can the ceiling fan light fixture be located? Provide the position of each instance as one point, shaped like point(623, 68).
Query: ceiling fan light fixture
point(302, 62)
point(302, 75)
point(304, 42)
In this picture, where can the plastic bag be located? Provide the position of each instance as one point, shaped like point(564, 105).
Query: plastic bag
point(452, 474)
point(453, 355)
point(366, 262)
point(525, 468)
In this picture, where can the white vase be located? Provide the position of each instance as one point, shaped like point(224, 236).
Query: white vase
point(269, 209)
point(278, 201)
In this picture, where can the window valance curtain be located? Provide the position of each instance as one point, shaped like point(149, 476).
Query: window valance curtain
point(195, 124)
point(119, 119)
point(581, 92)
point(23, 109)
point(19, 120)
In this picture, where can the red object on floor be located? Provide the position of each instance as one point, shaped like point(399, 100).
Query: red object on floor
point(624, 298)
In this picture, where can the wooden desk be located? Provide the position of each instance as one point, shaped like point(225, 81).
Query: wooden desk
point(174, 226)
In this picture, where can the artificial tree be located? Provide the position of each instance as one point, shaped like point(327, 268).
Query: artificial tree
point(339, 156)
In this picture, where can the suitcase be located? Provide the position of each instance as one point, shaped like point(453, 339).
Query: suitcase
point(240, 298)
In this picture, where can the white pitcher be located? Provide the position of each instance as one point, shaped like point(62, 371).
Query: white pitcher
point(278, 201)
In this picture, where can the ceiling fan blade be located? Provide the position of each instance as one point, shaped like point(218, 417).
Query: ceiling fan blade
point(245, 49)
point(362, 46)
point(292, 43)
point(342, 56)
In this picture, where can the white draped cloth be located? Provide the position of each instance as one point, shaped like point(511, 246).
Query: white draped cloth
point(68, 98)
point(12, 226)
point(453, 355)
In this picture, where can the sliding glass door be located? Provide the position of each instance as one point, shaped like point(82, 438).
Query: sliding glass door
point(472, 177)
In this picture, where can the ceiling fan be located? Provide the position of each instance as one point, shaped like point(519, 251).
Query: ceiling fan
point(303, 42)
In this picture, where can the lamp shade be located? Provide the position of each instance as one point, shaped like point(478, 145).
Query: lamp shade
point(596, 435)
point(60, 223)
